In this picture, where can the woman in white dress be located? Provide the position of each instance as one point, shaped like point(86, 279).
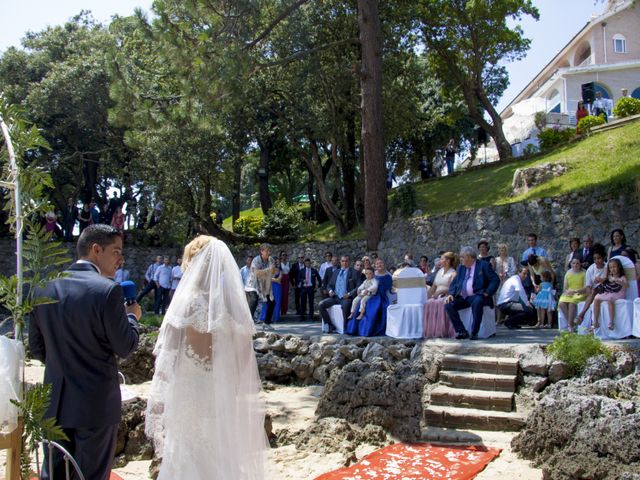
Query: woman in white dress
point(204, 413)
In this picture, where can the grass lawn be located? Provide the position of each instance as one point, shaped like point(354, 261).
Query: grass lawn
point(605, 159)
point(609, 159)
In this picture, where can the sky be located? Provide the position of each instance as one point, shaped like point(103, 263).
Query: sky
point(559, 21)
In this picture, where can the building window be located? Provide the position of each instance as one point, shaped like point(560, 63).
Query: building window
point(619, 44)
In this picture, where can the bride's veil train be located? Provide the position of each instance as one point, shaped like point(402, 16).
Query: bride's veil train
point(204, 413)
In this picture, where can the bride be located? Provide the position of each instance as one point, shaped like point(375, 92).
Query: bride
point(204, 412)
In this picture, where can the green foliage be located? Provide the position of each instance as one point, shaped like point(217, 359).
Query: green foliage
point(403, 199)
point(249, 225)
point(553, 137)
point(151, 320)
point(540, 120)
point(626, 107)
point(36, 427)
point(587, 123)
point(531, 149)
point(575, 349)
point(282, 221)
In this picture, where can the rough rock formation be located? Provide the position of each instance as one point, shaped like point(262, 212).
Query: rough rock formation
point(132, 443)
point(382, 391)
point(527, 178)
point(588, 427)
point(139, 366)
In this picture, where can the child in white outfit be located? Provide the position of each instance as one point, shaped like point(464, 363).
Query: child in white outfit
point(367, 289)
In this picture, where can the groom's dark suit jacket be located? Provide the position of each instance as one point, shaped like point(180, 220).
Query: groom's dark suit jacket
point(78, 338)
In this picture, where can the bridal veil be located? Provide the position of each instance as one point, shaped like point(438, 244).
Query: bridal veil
point(204, 413)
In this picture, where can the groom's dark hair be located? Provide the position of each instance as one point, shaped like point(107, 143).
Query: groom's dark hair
point(102, 234)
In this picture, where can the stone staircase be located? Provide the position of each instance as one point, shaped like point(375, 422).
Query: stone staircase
point(475, 393)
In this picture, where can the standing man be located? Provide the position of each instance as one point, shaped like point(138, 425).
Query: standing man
point(69, 217)
point(308, 280)
point(533, 248)
point(343, 287)
point(258, 287)
point(513, 301)
point(244, 271)
point(78, 338)
point(450, 155)
point(150, 283)
point(474, 286)
point(294, 273)
point(328, 273)
point(327, 264)
point(587, 251)
point(162, 279)
point(122, 273)
point(176, 276)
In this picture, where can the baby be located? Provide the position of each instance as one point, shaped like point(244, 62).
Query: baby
point(368, 288)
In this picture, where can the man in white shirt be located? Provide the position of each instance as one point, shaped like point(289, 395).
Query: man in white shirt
point(244, 271)
point(150, 284)
point(162, 277)
point(176, 276)
point(513, 301)
point(327, 263)
point(121, 273)
point(601, 106)
point(533, 248)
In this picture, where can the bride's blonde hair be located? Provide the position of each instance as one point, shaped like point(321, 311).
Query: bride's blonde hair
point(192, 248)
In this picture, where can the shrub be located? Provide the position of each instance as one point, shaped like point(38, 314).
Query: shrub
point(249, 225)
point(552, 137)
point(282, 221)
point(404, 200)
point(587, 123)
point(540, 120)
point(531, 149)
point(626, 107)
point(575, 349)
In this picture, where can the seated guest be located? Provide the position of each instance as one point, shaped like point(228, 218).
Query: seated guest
point(366, 289)
point(436, 322)
point(308, 281)
point(595, 275)
point(587, 251)
point(473, 287)
point(574, 252)
point(366, 262)
point(423, 264)
point(374, 321)
point(342, 289)
point(632, 255)
point(618, 243)
point(573, 292)
point(513, 302)
point(613, 288)
point(483, 253)
point(359, 267)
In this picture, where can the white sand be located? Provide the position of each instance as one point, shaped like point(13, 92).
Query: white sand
point(294, 408)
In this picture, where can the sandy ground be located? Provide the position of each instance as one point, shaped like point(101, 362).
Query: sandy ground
point(293, 408)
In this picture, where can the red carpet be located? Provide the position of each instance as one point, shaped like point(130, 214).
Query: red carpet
point(421, 461)
point(115, 476)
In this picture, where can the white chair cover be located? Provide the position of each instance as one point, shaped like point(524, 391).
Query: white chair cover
point(410, 285)
point(337, 318)
point(624, 310)
point(635, 330)
point(405, 321)
point(563, 325)
point(11, 366)
point(488, 325)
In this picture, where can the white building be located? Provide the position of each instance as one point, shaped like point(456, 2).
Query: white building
point(606, 52)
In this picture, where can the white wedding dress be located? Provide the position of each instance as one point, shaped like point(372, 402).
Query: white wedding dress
point(204, 413)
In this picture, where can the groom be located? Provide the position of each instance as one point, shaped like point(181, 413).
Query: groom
point(78, 338)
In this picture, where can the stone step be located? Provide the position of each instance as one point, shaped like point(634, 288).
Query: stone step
point(479, 381)
point(471, 418)
point(469, 363)
point(466, 398)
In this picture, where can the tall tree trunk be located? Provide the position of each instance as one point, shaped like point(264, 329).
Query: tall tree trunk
point(237, 184)
point(495, 130)
point(263, 175)
point(90, 174)
point(375, 190)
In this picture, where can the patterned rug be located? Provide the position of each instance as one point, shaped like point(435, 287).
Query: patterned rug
point(421, 461)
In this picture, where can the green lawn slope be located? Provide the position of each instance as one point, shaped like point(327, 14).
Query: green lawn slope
point(604, 160)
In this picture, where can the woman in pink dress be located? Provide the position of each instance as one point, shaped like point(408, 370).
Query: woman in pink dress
point(436, 322)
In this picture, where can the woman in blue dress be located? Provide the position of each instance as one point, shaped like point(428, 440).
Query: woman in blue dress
point(374, 320)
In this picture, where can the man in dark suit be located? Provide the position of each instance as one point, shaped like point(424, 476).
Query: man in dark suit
point(78, 338)
point(473, 286)
point(587, 251)
point(343, 288)
point(328, 273)
point(308, 280)
point(293, 281)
